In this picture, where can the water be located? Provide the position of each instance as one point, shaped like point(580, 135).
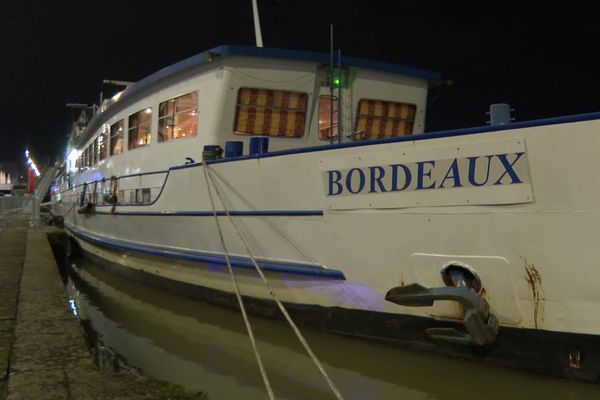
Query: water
point(205, 348)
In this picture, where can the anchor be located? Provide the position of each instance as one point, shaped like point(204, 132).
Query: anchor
point(464, 287)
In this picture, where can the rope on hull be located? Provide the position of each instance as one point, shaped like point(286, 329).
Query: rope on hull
point(272, 292)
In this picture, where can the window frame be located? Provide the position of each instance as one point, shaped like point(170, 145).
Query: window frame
point(176, 112)
point(370, 135)
point(239, 106)
point(103, 142)
point(111, 150)
point(94, 152)
point(131, 127)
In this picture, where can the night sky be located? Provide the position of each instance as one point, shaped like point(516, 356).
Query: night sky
point(541, 58)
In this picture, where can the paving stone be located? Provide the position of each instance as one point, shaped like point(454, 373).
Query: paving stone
point(41, 340)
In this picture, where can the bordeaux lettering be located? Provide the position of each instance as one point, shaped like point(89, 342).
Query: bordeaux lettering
point(407, 177)
point(335, 181)
point(361, 180)
point(377, 179)
point(421, 174)
point(455, 175)
point(508, 168)
point(355, 179)
point(472, 168)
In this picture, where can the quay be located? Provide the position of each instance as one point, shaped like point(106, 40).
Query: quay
point(43, 353)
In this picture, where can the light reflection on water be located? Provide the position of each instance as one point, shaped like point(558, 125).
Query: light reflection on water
point(205, 348)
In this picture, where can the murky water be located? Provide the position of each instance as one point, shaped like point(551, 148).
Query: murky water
point(203, 347)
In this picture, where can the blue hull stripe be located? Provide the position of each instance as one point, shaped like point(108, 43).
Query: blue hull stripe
point(210, 259)
point(263, 213)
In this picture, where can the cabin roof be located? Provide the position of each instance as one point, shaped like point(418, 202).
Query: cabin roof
point(266, 52)
point(142, 87)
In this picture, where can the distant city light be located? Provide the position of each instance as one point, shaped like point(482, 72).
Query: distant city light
point(31, 164)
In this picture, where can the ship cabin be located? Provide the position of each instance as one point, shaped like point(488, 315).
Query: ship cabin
point(230, 96)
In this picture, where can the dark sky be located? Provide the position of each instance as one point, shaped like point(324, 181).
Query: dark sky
point(539, 57)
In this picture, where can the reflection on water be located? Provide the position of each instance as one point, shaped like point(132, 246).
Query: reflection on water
point(205, 348)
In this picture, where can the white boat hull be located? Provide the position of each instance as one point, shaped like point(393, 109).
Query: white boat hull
point(341, 243)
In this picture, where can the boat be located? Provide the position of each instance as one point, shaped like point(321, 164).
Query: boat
point(475, 243)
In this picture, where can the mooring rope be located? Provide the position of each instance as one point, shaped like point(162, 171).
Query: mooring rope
point(272, 292)
point(263, 372)
point(301, 252)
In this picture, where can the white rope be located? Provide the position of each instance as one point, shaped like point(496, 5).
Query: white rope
point(263, 372)
point(273, 294)
point(301, 252)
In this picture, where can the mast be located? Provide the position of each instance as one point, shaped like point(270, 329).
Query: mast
point(257, 32)
point(331, 85)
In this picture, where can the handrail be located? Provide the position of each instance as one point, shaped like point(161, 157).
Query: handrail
point(72, 191)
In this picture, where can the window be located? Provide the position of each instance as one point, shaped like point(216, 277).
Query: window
point(178, 117)
point(139, 128)
point(270, 112)
point(94, 152)
point(116, 137)
point(325, 117)
point(103, 143)
point(382, 119)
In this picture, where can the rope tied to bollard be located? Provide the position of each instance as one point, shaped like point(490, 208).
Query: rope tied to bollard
point(312, 355)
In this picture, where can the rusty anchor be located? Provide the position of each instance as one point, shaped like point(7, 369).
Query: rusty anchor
point(464, 287)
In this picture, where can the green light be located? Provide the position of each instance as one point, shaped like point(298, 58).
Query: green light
point(337, 81)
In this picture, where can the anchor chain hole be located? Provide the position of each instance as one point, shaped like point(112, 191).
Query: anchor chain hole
point(453, 275)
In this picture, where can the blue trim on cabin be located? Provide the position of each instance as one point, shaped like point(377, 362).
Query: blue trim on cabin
point(210, 258)
point(256, 213)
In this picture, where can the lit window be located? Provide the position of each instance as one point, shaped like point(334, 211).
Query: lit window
point(383, 119)
point(116, 137)
point(103, 142)
point(139, 128)
point(86, 154)
point(325, 117)
point(93, 152)
point(270, 112)
point(178, 117)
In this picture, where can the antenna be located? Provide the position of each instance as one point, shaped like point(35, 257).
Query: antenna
point(257, 32)
point(339, 104)
point(331, 85)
